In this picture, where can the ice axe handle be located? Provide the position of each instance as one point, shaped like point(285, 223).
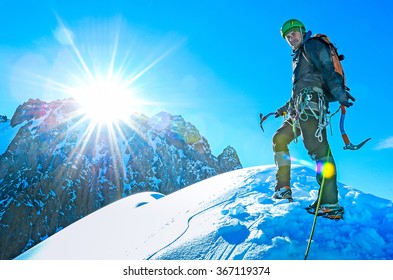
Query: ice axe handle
point(348, 145)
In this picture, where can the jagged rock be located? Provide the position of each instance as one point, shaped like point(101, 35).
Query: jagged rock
point(229, 159)
point(58, 169)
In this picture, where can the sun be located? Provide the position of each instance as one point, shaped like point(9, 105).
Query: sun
point(106, 71)
point(105, 100)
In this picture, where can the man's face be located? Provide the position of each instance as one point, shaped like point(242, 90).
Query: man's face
point(294, 39)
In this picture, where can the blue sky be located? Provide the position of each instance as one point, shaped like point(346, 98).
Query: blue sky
point(216, 63)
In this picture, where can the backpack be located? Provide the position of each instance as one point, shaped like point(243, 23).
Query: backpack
point(336, 59)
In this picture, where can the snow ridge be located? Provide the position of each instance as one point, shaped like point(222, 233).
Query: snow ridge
point(231, 216)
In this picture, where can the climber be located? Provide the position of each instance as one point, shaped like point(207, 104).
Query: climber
point(315, 82)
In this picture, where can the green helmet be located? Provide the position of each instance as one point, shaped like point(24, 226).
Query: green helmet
point(290, 25)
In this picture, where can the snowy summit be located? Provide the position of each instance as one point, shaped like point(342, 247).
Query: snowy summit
point(230, 216)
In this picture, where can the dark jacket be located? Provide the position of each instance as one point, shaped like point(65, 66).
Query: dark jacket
point(313, 67)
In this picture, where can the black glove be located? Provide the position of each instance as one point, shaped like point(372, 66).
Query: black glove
point(346, 102)
point(280, 112)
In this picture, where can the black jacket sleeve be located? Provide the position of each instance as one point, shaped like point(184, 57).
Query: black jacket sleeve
point(318, 53)
point(287, 108)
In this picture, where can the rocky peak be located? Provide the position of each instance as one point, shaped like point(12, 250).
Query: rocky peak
point(229, 159)
point(57, 169)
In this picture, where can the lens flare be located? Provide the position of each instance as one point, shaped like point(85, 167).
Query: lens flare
point(327, 169)
point(300, 161)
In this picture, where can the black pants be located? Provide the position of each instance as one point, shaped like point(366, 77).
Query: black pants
point(318, 151)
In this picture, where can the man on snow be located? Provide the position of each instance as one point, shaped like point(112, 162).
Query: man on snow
point(315, 82)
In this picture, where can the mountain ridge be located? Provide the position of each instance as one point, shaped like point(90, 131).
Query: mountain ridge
point(56, 167)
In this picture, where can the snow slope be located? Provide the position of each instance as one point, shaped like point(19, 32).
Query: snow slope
point(229, 216)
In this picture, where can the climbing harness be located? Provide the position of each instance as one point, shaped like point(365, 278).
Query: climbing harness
point(305, 108)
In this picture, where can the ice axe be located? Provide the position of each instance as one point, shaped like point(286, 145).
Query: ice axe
point(263, 118)
point(347, 142)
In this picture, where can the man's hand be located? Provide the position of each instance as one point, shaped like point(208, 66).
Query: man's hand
point(346, 102)
point(280, 112)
